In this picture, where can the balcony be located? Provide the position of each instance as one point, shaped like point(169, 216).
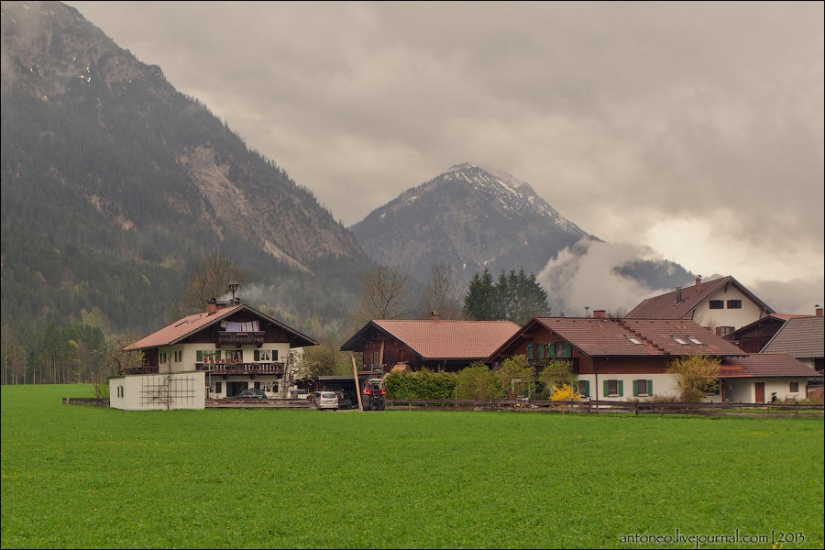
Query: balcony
point(247, 369)
point(240, 338)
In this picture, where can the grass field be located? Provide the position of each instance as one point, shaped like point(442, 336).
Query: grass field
point(89, 477)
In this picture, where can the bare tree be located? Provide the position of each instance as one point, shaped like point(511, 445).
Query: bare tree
point(441, 293)
point(209, 280)
point(384, 295)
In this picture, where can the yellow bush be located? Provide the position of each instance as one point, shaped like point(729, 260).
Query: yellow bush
point(565, 392)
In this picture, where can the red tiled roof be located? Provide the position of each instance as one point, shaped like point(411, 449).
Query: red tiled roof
point(441, 339)
point(601, 337)
point(760, 365)
point(187, 326)
point(665, 305)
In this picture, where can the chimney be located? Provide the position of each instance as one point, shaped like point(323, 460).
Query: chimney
point(698, 280)
point(435, 316)
point(818, 310)
point(599, 314)
point(678, 295)
point(211, 306)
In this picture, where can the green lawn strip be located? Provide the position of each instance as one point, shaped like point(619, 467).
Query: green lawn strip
point(82, 476)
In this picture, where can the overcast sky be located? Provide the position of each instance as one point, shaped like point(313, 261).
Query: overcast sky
point(695, 129)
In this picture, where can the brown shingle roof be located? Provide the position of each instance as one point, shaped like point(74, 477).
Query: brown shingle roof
point(187, 326)
point(760, 365)
point(665, 306)
point(601, 337)
point(440, 339)
point(802, 337)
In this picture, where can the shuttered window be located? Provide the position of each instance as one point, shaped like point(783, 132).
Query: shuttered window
point(642, 388)
point(613, 388)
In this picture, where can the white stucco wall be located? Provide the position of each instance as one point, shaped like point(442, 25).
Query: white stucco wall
point(743, 390)
point(736, 318)
point(664, 385)
point(158, 391)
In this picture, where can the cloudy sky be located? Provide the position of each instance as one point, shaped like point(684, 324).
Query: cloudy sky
point(695, 129)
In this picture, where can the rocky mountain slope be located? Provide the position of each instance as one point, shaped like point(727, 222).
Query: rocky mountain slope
point(468, 218)
point(116, 183)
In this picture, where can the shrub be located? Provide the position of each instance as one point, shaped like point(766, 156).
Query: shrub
point(698, 375)
point(565, 392)
point(424, 384)
point(478, 382)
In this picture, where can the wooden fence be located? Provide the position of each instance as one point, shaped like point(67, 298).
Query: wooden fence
point(773, 410)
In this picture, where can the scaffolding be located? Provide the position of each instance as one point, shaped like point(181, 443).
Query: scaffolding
point(169, 392)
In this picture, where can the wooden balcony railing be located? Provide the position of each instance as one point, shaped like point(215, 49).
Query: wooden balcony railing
point(241, 368)
point(240, 338)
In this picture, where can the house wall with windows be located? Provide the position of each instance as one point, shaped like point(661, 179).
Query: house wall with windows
point(746, 390)
point(727, 307)
point(627, 386)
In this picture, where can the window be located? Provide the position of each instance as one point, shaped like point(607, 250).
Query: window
point(634, 340)
point(642, 388)
point(734, 304)
point(560, 350)
point(716, 304)
point(695, 340)
point(613, 388)
point(583, 387)
point(679, 341)
point(218, 387)
point(724, 331)
point(270, 355)
point(257, 385)
point(794, 387)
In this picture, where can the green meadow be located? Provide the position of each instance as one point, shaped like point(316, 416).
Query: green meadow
point(90, 477)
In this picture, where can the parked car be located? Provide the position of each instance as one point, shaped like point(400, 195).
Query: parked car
point(302, 394)
point(254, 393)
point(325, 400)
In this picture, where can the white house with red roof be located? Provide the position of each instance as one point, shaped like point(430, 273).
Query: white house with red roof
point(722, 304)
point(625, 359)
point(217, 353)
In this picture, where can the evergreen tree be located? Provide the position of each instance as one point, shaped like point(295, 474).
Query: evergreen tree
point(516, 297)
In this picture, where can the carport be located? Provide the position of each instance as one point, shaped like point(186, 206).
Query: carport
point(343, 383)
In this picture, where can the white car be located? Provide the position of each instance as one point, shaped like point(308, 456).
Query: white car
point(325, 400)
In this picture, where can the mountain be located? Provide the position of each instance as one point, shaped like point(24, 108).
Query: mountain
point(468, 218)
point(115, 185)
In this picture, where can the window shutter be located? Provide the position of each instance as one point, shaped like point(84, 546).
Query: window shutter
point(650, 387)
point(552, 349)
point(257, 355)
point(621, 388)
point(568, 350)
point(635, 388)
point(218, 354)
point(199, 356)
point(274, 355)
point(541, 352)
point(606, 388)
point(584, 388)
point(529, 352)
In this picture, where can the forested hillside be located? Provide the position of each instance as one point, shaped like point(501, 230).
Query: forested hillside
point(115, 186)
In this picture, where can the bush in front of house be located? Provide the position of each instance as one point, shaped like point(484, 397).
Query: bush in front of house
point(423, 384)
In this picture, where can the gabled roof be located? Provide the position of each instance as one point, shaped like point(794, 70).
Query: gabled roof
point(613, 337)
point(438, 339)
point(770, 318)
point(666, 306)
point(192, 324)
point(799, 337)
point(760, 365)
